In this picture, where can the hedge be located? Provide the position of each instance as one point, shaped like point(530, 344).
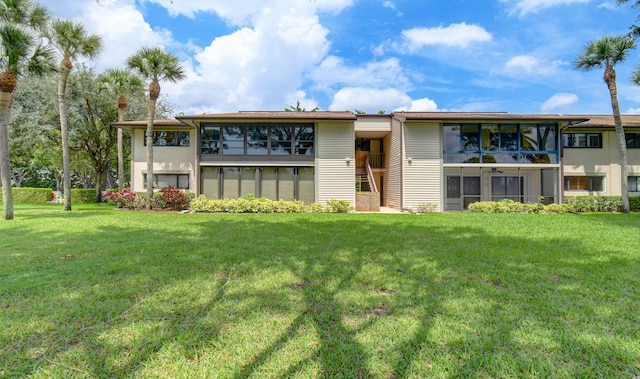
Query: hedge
point(23, 195)
point(83, 195)
point(601, 203)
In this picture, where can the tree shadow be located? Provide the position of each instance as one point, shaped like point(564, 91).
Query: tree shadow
point(349, 286)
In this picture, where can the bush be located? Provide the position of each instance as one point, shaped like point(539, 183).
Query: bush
point(595, 203)
point(339, 206)
point(251, 204)
point(30, 195)
point(558, 208)
point(170, 198)
point(510, 206)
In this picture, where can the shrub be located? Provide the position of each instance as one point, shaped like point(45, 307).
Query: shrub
point(558, 208)
point(425, 207)
point(30, 195)
point(251, 204)
point(171, 198)
point(595, 203)
point(339, 206)
point(510, 206)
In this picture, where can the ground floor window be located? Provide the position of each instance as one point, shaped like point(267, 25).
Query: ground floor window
point(633, 184)
point(275, 183)
point(180, 181)
point(462, 191)
point(507, 187)
point(584, 183)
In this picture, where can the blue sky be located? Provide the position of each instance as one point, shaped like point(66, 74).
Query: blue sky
point(416, 55)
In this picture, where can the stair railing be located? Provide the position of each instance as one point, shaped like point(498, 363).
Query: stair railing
point(372, 182)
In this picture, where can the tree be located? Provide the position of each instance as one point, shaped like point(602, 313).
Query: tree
point(299, 108)
point(155, 65)
point(635, 28)
point(21, 22)
point(605, 53)
point(121, 83)
point(72, 41)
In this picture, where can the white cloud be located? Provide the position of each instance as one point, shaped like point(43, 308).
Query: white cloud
point(610, 5)
point(455, 35)
point(121, 26)
point(530, 65)
point(256, 67)
point(633, 111)
point(369, 100)
point(334, 72)
point(533, 6)
point(421, 105)
point(245, 12)
point(559, 101)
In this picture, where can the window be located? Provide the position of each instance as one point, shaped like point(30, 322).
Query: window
point(500, 143)
point(588, 140)
point(180, 181)
point(273, 139)
point(633, 140)
point(169, 138)
point(584, 183)
point(633, 183)
point(275, 183)
point(507, 187)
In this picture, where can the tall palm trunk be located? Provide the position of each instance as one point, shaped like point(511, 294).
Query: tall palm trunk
point(6, 98)
point(154, 93)
point(65, 68)
point(610, 79)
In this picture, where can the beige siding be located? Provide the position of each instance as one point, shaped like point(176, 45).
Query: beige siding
point(423, 173)
point(335, 175)
point(166, 160)
point(394, 164)
point(596, 162)
point(373, 124)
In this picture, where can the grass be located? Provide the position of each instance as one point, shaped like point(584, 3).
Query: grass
point(97, 293)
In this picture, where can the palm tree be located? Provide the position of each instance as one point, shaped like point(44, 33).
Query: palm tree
point(156, 65)
point(605, 53)
point(21, 21)
point(121, 82)
point(72, 41)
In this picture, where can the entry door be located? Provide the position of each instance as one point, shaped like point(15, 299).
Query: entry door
point(461, 191)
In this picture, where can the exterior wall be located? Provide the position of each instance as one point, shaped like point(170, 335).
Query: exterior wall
point(372, 124)
point(166, 159)
point(423, 173)
point(600, 162)
point(395, 158)
point(335, 175)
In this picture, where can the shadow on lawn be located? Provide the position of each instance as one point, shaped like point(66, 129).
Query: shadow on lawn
point(426, 272)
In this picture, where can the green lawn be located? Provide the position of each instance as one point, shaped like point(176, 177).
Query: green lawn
point(100, 293)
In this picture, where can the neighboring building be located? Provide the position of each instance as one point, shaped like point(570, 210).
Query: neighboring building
point(407, 159)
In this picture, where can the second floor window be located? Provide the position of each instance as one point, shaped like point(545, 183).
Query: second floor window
point(274, 139)
point(589, 140)
point(169, 138)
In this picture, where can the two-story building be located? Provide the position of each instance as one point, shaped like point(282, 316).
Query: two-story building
point(407, 159)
